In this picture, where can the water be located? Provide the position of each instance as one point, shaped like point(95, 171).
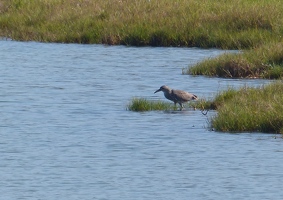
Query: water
point(66, 134)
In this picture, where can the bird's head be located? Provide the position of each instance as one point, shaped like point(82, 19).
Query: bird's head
point(163, 88)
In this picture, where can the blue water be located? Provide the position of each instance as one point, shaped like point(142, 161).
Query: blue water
point(65, 132)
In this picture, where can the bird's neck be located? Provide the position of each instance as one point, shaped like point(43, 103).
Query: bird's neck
point(169, 91)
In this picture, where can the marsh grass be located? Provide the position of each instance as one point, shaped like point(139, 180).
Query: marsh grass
point(237, 24)
point(142, 104)
point(265, 61)
point(248, 109)
point(219, 100)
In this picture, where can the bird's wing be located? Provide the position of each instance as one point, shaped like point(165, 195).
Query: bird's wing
point(182, 95)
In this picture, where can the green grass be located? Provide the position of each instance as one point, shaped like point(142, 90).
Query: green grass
point(219, 100)
point(238, 24)
point(265, 61)
point(248, 109)
point(142, 104)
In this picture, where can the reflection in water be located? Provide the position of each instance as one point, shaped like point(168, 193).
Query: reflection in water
point(66, 133)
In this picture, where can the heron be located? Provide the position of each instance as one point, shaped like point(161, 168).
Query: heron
point(177, 96)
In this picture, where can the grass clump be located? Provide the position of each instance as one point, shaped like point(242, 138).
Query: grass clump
point(237, 24)
point(250, 110)
point(142, 104)
point(219, 100)
point(262, 62)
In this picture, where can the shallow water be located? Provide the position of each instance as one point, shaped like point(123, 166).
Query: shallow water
point(66, 134)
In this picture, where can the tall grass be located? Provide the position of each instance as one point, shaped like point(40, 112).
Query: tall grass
point(265, 61)
point(223, 24)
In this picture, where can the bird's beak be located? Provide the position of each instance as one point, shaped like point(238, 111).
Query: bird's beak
point(157, 91)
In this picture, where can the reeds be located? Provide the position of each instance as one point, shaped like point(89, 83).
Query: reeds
point(237, 24)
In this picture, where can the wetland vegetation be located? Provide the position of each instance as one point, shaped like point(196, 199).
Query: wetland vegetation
point(253, 27)
point(238, 24)
point(265, 61)
point(142, 104)
point(252, 110)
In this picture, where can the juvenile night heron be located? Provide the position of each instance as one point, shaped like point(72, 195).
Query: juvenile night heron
point(177, 96)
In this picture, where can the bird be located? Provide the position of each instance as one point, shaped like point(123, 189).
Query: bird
point(177, 96)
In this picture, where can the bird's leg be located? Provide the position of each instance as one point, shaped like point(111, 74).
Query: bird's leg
point(175, 106)
point(181, 106)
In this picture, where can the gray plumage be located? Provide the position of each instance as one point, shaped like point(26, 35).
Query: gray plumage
point(177, 96)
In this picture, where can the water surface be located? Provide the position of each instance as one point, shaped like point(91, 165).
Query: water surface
point(66, 134)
